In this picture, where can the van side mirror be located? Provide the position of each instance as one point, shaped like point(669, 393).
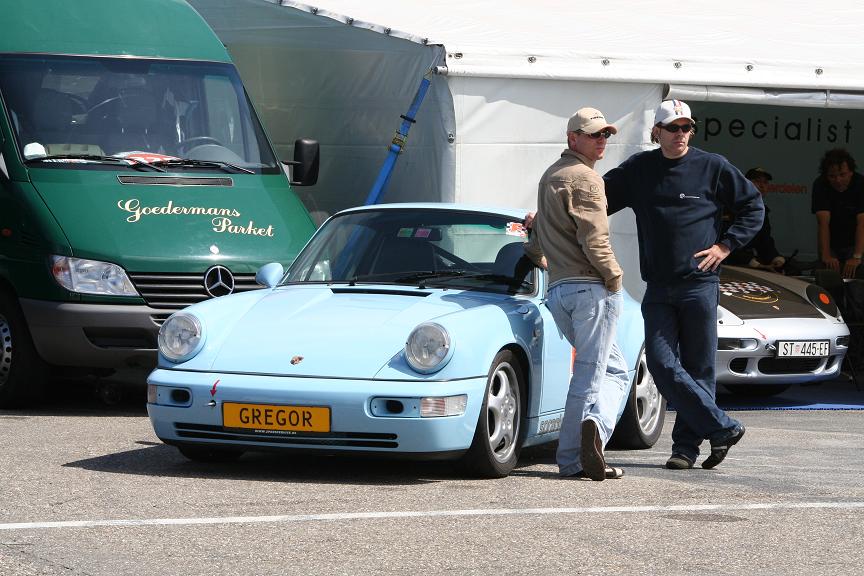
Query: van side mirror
point(304, 167)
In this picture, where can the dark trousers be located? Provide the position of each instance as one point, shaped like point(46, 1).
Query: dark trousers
point(680, 344)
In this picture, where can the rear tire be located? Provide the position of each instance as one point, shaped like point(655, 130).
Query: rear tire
point(22, 371)
point(498, 434)
point(642, 421)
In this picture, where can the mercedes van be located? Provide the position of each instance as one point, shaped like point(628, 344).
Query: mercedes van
point(135, 179)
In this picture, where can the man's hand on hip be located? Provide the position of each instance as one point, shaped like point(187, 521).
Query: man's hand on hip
point(712, 257)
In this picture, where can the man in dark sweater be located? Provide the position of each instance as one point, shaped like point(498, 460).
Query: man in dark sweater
point(678, 194)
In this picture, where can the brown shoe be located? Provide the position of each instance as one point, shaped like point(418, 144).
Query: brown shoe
point(593, 463)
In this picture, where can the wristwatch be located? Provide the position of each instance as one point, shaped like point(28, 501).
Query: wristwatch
point(856, 256)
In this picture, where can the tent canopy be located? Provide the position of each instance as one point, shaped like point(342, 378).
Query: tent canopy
point(789, 44)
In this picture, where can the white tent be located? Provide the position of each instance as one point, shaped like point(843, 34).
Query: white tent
point(509, 74)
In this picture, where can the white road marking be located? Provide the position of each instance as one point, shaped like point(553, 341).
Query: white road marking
point(425, 514)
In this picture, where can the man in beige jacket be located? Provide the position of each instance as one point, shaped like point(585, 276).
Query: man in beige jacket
point(571, 232)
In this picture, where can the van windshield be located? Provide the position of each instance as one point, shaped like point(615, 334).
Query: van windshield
point(69, 111)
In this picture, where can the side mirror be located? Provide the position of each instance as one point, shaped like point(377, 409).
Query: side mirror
point(304, 167)
point(270, 274)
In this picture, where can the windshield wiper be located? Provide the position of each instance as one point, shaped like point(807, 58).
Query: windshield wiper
point(399, 277)
point(500, 278)
point(130, 162)
point(226, 166)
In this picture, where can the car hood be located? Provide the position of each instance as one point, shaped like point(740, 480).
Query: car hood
point(751, 296)
point(336, 332)
point(150, 224)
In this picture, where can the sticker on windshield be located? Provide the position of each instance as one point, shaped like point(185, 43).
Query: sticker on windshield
point(145, 156)
point(422, 232)
point(516, 229)
point(405, 233)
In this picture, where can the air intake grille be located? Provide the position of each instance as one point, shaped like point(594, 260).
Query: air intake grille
point(176, 181)
point(738, 365)
point(341, 439)
point(789, 365)
point(175, 291)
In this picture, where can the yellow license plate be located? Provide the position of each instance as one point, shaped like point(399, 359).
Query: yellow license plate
point(275, 417)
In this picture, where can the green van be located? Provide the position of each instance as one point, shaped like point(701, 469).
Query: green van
point(135, 179)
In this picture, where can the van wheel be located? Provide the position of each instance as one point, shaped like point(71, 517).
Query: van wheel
point(642, 421)
point(498, 434)
point(22, 371)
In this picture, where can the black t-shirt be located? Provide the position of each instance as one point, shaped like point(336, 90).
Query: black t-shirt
point(844, 207)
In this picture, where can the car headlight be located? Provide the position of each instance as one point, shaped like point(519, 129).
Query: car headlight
point(180, 337)
point(91, 277)
point(428, 347)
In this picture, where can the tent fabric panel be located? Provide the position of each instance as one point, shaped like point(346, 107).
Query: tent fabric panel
point(511, 130)
point(767, 96)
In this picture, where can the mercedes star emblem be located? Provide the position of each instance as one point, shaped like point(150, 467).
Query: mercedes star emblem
point(218, 281)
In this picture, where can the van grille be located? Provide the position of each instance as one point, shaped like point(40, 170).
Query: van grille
point(169, 291)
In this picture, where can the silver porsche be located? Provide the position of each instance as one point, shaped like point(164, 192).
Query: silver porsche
point(774, 331)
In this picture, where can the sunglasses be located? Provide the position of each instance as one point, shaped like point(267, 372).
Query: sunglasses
point(596, 135)
point(676, 127)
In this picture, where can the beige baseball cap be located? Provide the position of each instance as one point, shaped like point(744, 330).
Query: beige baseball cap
point(589, 121)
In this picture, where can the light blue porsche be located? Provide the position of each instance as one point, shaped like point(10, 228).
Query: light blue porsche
point(402, 329)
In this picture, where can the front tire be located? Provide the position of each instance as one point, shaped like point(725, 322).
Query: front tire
point(22, 371)
point(498, 435)
point(642, 421)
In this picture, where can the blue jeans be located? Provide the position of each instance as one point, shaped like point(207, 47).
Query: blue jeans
point(587, 314)
point(680, 345)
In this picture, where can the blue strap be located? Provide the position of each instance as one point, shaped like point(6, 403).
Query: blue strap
point(398, 142)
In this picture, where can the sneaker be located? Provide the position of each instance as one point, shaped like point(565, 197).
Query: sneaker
point(679, 462)
point(593, 463)
point(720, 448)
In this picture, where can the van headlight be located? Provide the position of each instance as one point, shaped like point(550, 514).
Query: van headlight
point(180, 337)
point(91, 277)
point(428, 348)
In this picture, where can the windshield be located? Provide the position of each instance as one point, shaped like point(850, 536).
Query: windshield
point(443, 248)
point(83, 109)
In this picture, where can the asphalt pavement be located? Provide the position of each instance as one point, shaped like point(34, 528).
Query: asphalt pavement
point(87, 489)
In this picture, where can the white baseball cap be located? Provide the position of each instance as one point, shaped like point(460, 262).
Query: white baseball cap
point(671, 110)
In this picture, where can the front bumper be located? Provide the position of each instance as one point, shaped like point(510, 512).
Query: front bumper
point(94, 335)
point(194, 415)
point(760, 365)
